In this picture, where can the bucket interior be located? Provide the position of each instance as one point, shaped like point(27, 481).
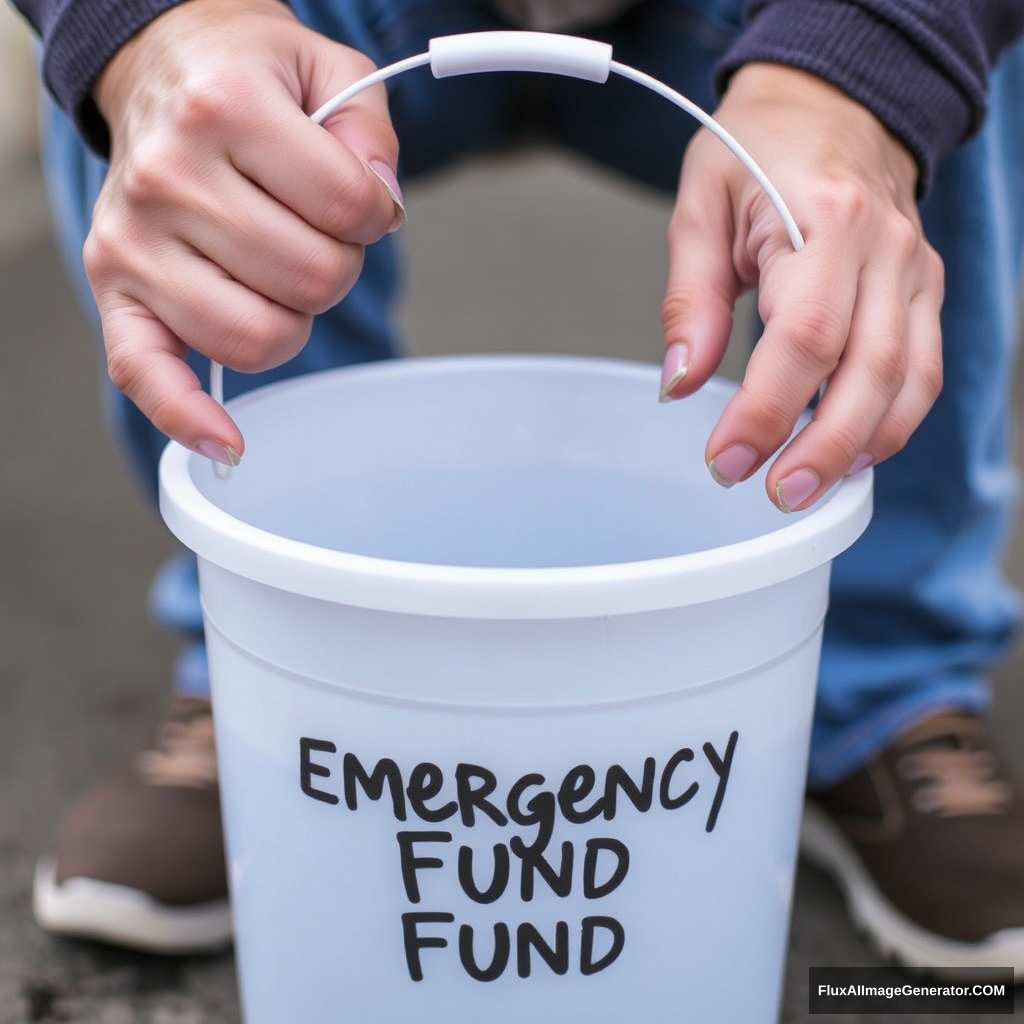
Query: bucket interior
point(490, 462)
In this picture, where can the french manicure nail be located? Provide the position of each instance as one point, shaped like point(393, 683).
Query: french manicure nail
point(861, 462)
point(793, 490)
point(217, 452)
point(386, 176)
point(732, 464)
point(673, 369)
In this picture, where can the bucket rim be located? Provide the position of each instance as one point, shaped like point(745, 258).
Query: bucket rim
point(472, 592)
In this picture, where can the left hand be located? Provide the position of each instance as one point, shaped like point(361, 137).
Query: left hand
point(857, 307)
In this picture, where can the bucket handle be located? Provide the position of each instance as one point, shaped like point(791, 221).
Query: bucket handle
point(550, 53)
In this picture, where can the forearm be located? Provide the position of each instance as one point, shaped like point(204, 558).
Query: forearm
point(921, 66)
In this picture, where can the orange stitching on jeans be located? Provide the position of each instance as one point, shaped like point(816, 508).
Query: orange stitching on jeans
point(955, 782)
point(185, 755)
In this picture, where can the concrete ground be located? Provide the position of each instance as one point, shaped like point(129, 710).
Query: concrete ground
point(534, 255)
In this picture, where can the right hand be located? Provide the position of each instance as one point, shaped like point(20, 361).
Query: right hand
point(228, 218)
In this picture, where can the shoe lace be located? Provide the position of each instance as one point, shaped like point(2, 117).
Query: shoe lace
point(184, 751)
point(956, 776)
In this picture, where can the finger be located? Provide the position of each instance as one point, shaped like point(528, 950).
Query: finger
point(701, 290)
point(215, 315)
point(923, 381)
point(266, 247)
point(339, 177)
point(807, 303)
point(868, 379)
point(147, 363)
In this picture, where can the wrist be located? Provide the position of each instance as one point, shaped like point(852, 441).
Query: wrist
point(150, 51)
point(841, 122)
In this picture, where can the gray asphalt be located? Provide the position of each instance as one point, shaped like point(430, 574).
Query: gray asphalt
point(534, 254)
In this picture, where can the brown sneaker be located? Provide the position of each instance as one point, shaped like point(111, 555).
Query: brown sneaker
point(139, 861)
point(927, 844)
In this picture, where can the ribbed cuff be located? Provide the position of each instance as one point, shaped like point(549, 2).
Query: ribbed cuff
point(79, 44)
point(870, 59)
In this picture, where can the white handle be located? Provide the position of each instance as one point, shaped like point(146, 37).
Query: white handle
point(474, 52)
point(552, 54)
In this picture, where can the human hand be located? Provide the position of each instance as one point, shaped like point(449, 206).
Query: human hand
point(857, 307)
point(228, 218)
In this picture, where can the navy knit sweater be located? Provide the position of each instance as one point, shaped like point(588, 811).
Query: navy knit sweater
point(921, 66)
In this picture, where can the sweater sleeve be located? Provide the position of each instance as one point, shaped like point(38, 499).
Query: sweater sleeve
point(921, 66)
point(79, 38)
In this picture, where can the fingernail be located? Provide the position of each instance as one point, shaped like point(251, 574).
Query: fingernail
point(793, 490)
point(387, 178)
point(673, 369)
point(730, 466)
point(861, 462)
point(217, 452)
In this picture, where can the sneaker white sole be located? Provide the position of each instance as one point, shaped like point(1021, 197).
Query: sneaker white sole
point(86, 908)
point(896, 937)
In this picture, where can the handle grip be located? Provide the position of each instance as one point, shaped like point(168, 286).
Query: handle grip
point(546, 52)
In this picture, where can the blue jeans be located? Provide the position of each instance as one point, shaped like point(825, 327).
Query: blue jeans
point(920, 609)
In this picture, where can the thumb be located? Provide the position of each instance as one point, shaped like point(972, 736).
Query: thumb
point(147, 362)
point(702, 288)
point(363, 124)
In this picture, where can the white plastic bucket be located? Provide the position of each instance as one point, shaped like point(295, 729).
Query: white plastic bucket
point(493, 585)
point(512, 700)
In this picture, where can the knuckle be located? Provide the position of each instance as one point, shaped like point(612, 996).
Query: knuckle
point(248, 342)
point(150, 174)
point(210, 96)
point(161, 414)
point(108, 243)
point(892, 434)
point(847, 443)
point(97, 250)
point(322, 277)
point(347, 206)
point(816, 335)
point(930, 375)
point(771, 416)
point(125, 370)
point(137, 378)
point(842, 200)
point(679, 306)
point(888, 362)
point(935, 270)
point(261, 337)
point(904, 238)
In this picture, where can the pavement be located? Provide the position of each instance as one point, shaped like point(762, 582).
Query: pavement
point(536, 254)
